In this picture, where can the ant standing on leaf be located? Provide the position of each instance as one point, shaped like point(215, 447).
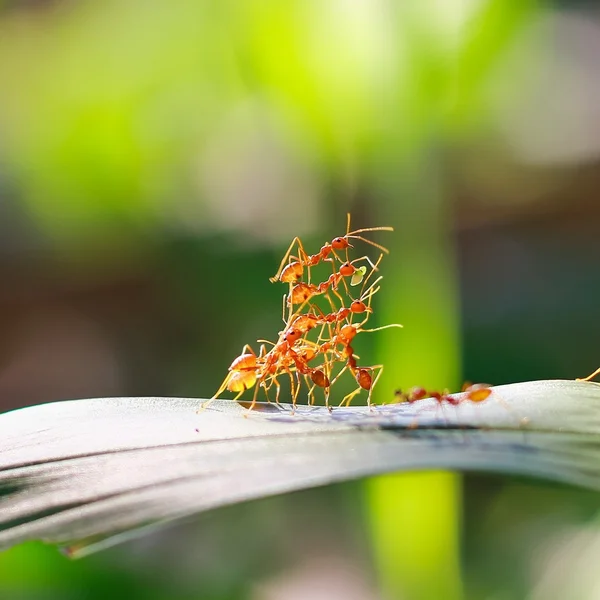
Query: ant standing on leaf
point(471, 392)
point(477, 392)
point(292, 353)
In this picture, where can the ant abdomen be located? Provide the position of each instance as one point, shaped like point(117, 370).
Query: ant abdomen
point(244, 361)
point(302, 292)
point(292, 273)
point(240, 381)
point(478, 392)
point(364, 379)
point(319, 378)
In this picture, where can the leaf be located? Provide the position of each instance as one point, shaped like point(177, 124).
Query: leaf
point(89, 473)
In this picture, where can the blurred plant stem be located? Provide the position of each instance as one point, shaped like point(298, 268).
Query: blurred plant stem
point(415, 518)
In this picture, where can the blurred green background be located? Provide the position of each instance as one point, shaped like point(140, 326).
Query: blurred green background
point(156, 158)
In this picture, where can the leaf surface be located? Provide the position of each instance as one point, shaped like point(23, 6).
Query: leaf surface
point(89, 473)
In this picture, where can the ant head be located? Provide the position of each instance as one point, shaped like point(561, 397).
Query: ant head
point(340, 243)
point(292, 336)
point(359, 307)
point(347, 269)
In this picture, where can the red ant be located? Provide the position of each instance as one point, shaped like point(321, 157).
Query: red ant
point(363, 375)
point(473, 392)
point(477, 392)
point(249, 370)
point(343, 336)
point(293, 271)
point(302, 293)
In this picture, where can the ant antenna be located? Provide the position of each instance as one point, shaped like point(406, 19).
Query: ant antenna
point(371, 242)
point(362, 291)
point(382, 327)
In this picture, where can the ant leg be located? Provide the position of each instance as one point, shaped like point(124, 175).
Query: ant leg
point(368, 259)
point(253, 404)
point(266, 387)
point(298, 387)
point(320, 336)
point(311, 391)
point(369, 292)
point(326, 392)
point(277, 390)
point(266, 384)
point(349, 397)
point(327, 370)
point(368, 296)
point(221, 389)
point(359, 274)
point(338, 295)
point(293, 392)
point(345, 368)
point(330, 301)
point(301, 255)
point(262, 347)
point(379, 372)
point(590, 377)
